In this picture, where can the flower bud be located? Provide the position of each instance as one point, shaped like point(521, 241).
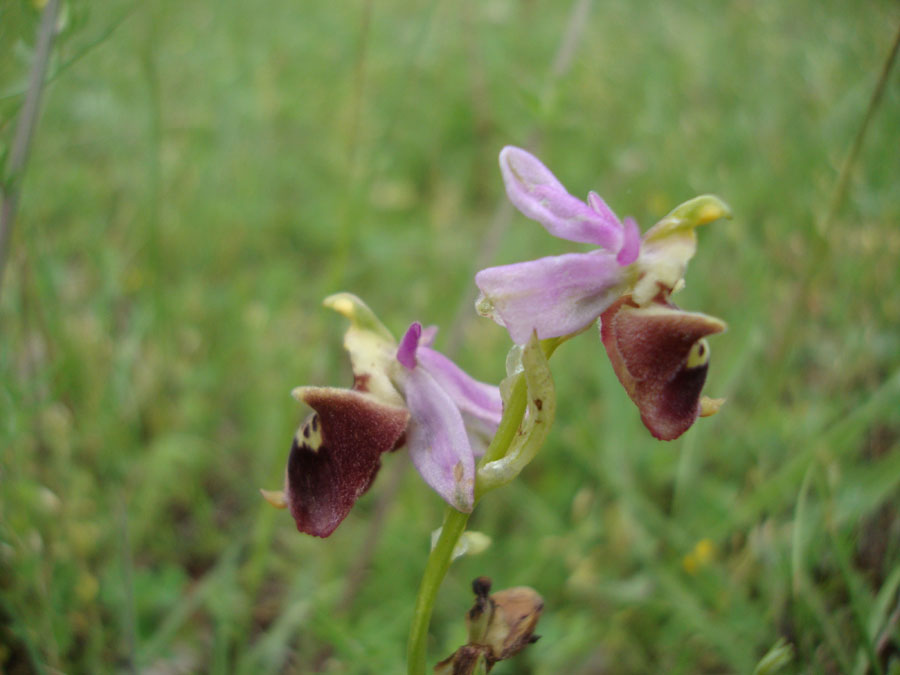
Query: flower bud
point(499, 625)
point(515, 615)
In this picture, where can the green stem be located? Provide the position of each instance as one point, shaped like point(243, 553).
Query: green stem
point(435, 571)
point(514, 410)
point(509, 423)
point(455, 523)
point(11, 183)
point(847, 168)
point(453, 528)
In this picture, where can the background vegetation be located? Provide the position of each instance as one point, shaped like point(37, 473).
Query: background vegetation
point(203, 173)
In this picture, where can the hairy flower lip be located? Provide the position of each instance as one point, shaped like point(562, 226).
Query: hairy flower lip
point(336, 453)
point(660, 356)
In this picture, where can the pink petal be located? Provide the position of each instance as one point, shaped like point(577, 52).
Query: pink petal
point(600, 207)
point(437, 441)
point(536, 192)
point(631, 247)
point(406, 353)
point(477, 399)
point(429, 333)
point(554, 296)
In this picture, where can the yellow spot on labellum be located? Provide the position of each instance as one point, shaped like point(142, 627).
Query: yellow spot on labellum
point(309, 435)
point(699, 354)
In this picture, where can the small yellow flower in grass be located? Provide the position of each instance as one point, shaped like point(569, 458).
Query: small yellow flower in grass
point(87, 587)
point(701, 555)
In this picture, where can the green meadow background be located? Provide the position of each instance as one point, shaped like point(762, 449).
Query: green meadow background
point(204, 173)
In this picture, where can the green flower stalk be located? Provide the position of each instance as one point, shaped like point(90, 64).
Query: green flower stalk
point(515, 444)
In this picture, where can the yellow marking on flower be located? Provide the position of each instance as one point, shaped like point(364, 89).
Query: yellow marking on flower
point(309, 435)
point(342, 306)
point(667, 247)
point(275, 497)
point(712, 211)
point(699, 354)
point(710, 406)
point(701, 555)
point(361, 318)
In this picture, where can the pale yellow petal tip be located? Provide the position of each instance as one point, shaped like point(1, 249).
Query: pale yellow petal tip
point(342, 303)
point(684, 218)
point(712, 208)
point(275, 497)
point(298, 392)
point(359, 314)
point(710, 406)
point(698, 211)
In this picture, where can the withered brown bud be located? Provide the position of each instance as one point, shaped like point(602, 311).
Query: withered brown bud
point(466, 660)
point(481, 586)
point(500, 626)
point(479, 617)
point(515, 616)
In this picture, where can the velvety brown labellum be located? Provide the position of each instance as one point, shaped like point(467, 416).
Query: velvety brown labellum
point(336, 454)
point(659, 356)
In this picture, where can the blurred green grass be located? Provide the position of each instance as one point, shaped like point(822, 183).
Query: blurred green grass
point(204, 173)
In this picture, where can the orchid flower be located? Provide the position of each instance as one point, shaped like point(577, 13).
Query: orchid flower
point(557, 295)
point(659, 353)
point(406, 394)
